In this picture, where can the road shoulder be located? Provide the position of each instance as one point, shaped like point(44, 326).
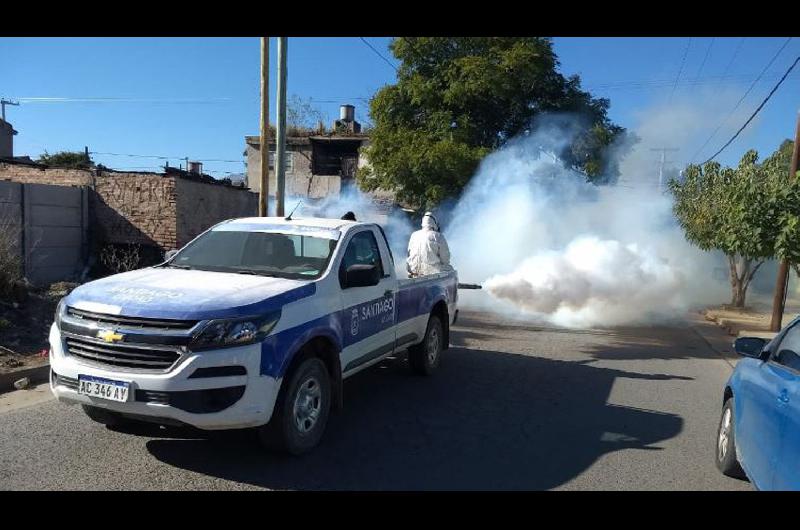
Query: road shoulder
point(21, 399)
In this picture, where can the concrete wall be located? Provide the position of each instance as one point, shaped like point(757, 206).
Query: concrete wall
point(148, 209)
point(201, 205)
point(54, 220)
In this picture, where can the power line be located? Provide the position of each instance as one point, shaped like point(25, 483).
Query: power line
point(756, 111)
point(680, 70)
point(159, 157)
point(119, 100)
point(733, 57)
point(730, 114)
point(379, 54)
point(708, 52)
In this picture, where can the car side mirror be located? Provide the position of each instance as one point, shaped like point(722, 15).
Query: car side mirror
point(361, 276)
point(169, 254)
point(749, 346)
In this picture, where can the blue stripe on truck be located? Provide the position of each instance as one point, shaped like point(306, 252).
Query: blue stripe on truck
point(277, 350)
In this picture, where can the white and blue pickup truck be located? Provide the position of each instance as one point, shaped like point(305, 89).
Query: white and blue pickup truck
point(254, 323)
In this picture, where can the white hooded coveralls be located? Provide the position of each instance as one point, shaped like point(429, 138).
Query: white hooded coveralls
point(428, 252)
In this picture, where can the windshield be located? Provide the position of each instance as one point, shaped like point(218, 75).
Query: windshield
point(269, 254)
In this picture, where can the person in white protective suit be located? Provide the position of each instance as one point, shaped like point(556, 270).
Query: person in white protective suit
point(428, 252)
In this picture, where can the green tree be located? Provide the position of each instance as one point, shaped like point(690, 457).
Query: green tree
point(76, 159)
point(457, 99)
point(751, 213)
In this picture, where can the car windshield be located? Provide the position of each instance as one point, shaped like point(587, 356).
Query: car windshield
point(264, 253)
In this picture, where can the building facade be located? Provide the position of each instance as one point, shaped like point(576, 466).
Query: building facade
point(317, 165)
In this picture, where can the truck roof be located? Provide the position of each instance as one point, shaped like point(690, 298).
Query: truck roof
point(317, 222)
point(333, 227)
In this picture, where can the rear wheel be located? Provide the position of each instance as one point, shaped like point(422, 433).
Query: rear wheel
point(301, 411)
point(426, 356)
point(726, 444)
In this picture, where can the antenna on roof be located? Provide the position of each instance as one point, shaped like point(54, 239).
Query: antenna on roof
point(289, 217)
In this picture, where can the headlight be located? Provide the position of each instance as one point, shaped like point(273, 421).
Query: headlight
point(235, 331)
point(60, 308)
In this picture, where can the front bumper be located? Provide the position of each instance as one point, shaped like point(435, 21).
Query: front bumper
point(252, 409)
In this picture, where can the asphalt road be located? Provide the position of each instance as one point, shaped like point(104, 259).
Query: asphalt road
point(513, 407)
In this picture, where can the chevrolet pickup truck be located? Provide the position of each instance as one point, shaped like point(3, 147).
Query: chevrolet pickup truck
point(253, 324)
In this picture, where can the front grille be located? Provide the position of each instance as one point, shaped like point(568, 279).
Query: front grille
point(131, 322)
point(68, 382)
point(133, 356)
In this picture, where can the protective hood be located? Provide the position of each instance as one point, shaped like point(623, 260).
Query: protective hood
point(187, 294)
point(429, 222)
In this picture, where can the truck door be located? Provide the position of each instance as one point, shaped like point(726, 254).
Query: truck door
point(368, 313)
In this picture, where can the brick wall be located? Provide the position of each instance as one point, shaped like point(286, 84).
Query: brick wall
point(39, 175)
point(149, 209)
point(135, 208)
point(201, 205)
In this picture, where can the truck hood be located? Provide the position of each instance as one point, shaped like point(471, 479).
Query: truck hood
point(187, 294)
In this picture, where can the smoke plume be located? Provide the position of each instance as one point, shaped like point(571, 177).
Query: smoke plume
point(549, 246)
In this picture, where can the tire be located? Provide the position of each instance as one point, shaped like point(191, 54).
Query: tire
point(105, 417)
point(301, 411)
point(426, 356)
point(726, 444)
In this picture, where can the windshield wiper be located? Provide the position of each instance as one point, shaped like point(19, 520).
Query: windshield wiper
point(185, 267)
point(252, 272)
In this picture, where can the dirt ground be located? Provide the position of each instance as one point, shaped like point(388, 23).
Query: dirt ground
point(25, 326)
point(755, 317)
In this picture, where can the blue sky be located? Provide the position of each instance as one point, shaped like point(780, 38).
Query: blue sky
point(198, 97)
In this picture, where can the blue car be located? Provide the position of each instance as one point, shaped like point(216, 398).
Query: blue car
point(759, 429)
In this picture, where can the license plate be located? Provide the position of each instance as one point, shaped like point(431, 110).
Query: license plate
point(103, 388)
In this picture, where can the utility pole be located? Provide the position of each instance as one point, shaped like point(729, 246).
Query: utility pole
point(3, 103)
point(663, 151)
point(263, 196)
point(779, 300)
point(280, 131)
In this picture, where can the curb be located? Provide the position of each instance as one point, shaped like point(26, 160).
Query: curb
point(37, 374)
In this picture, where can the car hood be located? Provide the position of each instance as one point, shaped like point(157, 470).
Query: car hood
point(187, 294)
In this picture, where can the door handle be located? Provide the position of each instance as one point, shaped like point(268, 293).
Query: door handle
point(388, 293)
point(784, 396)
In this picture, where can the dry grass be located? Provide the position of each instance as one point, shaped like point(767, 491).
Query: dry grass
point(10, 258)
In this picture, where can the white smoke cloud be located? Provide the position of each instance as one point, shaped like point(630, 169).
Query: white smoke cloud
point(549, 246)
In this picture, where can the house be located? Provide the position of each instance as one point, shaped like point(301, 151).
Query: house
point(318, 165)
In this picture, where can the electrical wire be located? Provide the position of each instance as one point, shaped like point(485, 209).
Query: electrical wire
point(158, 157)
point(774, 89)
point(680, 70)
point(379, 54)
point(705, 58)
point(733, 57)
point(730, 114)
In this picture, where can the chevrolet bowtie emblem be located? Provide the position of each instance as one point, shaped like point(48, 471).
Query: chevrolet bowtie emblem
point(109, 335)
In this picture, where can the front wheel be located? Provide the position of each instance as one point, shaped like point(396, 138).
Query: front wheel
point(426, 356)
point(302, 410)
point(726, 444)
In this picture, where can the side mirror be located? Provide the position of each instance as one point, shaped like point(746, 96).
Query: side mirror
point(361, 276)
point(169, 254)
point(749, 346)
